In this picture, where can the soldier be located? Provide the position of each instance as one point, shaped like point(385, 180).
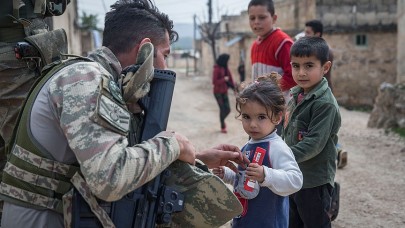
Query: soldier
point(78, 120)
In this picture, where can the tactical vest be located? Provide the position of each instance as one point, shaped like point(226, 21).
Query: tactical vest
point(22, 25)
point(31, 177)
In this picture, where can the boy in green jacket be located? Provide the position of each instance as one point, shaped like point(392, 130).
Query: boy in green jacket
point(312, 122)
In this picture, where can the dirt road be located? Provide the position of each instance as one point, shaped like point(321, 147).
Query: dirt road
point(372, 184)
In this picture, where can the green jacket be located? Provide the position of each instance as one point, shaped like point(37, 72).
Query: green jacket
point(310, 129)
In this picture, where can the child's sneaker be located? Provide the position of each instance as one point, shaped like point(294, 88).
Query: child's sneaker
point(341, 159)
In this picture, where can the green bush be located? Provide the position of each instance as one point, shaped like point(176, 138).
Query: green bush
point(399, 131)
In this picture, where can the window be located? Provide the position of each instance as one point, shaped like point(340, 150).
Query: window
point(361, 40)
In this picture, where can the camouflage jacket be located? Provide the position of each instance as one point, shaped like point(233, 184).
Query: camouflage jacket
point(72, 98)
point(110, 167)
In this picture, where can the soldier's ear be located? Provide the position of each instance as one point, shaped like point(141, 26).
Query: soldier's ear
point(145, 40)
point(137, 47)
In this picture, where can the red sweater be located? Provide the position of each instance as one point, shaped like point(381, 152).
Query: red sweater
point(273, 54)
point(218, 79)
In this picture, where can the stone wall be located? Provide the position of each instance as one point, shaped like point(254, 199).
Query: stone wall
point(358, 71)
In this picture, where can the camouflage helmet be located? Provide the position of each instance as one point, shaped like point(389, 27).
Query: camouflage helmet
point(208, 202)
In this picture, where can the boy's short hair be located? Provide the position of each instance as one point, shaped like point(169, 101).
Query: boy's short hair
point(311, 46)
point(316, 26)
point(268, 3)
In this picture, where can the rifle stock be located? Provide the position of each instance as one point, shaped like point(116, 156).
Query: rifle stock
point(154, 202)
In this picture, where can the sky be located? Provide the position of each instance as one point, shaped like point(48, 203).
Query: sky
point(180, 11)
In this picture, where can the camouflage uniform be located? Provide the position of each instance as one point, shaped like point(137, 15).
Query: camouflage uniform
point(111, 168)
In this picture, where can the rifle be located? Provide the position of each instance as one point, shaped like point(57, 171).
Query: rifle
point(153, 203)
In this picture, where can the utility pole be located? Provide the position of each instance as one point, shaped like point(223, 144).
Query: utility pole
point(195, 43)
point(209, 12)
point(211, 30)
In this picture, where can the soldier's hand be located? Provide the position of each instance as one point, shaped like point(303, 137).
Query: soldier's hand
point(222, 155)
point(187, 150)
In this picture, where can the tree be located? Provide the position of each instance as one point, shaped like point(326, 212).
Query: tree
point(89, 22)
point(210, 31)
point(209, 34)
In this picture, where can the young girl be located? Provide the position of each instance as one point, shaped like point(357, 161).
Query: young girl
point(273, 173)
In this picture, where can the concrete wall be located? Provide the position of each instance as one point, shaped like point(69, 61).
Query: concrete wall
point(352, 13)
point(68, 21)
point(292, 14)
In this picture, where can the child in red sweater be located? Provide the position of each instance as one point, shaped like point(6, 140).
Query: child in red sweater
point(270, 52)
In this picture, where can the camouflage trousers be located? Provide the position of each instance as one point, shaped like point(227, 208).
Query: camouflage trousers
point(16, 80)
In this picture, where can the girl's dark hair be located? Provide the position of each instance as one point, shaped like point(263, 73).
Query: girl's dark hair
point(130, 21)
point(268, 3)
point(311, 46)
point(264, 91)
point(222, 60)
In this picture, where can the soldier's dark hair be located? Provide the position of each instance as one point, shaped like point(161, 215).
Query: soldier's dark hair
point(316, 26)
point(311, 46)
point(264, 91)
point(130, 21)
point(222, 60)
point(268, 3)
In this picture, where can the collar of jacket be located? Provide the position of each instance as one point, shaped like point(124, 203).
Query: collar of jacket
point(106, 58)
point(317, 91)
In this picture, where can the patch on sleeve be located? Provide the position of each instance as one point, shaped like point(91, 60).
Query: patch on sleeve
point(115, 91)
point(117, 117)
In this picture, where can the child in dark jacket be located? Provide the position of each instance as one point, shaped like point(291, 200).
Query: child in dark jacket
point(312, 122)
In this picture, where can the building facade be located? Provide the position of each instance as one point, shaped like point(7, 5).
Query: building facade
point(363, 34)
point(69, 21)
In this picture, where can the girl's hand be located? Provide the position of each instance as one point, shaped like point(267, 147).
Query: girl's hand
point(255, 172)
point(220, 172)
